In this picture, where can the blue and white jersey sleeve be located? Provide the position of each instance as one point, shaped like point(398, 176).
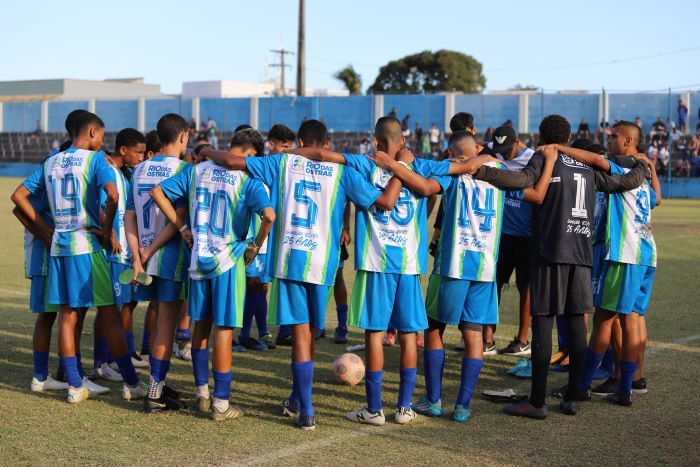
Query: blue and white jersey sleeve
point(178, 186)
point(35, 183)
point(266, 168)
point(256, 196)
point(358, 189)
point(436, 170)
point(102, 171)
point(362, 164)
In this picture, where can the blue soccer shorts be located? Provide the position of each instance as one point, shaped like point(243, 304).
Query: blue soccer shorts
point(80, 281)
point(383, 300)
point(453, 301)
point(625, 288)
point(220, 298)
point(294, 302)
point(39, 295)
point(123, 294)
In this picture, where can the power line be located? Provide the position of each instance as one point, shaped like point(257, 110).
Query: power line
point(281, 65)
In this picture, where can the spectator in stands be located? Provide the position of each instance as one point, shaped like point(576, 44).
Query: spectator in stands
point(674, 137)
point(658, 130)
point(192, 127)
point(662, 159)
point(653, 151)
point(211, 130)
point(584, 131)
point(364, 147)
point(345, 147)
point(692, 146)
point(434, 134)
point(392, 112)
point(418, 136)
point(682, 110)
point(638, 122)
point(488, 136)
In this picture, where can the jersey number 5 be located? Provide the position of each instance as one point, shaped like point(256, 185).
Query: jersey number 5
point(302, 198)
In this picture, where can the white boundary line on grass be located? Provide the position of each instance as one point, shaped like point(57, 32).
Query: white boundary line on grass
point(20, 293)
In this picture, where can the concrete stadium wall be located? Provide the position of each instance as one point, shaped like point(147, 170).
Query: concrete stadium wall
point(357, 113)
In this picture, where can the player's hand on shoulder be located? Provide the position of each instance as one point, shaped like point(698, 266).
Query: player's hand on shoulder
point(550, 151)
point(405, 155)
point(382, 159)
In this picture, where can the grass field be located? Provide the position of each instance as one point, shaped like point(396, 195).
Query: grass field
point(661, 427)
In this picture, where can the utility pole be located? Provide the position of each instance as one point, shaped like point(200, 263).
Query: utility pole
point(281, 65)
point(301, 51)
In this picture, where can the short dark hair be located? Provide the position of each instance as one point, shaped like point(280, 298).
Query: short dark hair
point(71, 120)
point(153, 143)
point(633, 126)
point(457, 137)
point(554, 129)
point(461, 121)
point(128, 137)
point(85, 120)
point(387, 129)
point(582, 143)
point(248, 138)
point(280, 132)
point(169, 127)
point(598, 149)
point(313, 132)
point(243, 126)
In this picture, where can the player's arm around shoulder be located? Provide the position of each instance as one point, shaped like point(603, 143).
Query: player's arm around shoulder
point(318, 154)
point(591, 159)
point(223, 158)
point(509, 179)
point(622, 182)
point(401, 168)
point(536, 194)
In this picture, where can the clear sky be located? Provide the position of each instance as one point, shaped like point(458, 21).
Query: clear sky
point(558, 45)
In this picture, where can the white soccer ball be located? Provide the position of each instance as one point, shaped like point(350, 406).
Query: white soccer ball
point(349, 369)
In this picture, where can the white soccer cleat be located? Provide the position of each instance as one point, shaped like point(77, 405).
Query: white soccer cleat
point(184, 352)
point(132, 393)
point(49, 384)
point(107, 373)
point(94, 388)
point(405, 415)
point(76, 395)
point(138, 361)
point(367, 417)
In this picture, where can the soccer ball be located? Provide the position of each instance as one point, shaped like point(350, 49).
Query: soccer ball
point(349, 369)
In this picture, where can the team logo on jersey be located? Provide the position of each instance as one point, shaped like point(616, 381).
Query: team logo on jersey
point(566, 160)
point(117, 288)
point(205, 174)
point(385, 175)
point(71, 161)
point(297, 165)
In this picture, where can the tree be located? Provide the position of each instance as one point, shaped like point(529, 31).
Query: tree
point(526, 87)
point(351, 79)
point(444, 70)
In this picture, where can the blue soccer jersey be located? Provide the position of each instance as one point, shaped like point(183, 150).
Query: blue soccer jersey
point(220, 204)
point(123, 187)
point(35, 252)
point(309, 198)
point(72, 181)
point(517, 213)
point(392, 242)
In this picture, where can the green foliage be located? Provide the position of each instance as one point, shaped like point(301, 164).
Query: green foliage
point(351, 79)
point(444, 70)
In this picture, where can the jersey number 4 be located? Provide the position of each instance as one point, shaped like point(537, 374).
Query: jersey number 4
point(487, 211)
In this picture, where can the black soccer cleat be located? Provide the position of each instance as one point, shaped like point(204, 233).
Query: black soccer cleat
point(526, 409)
point(579, 395)
point(607, 387)
point(284, 340)
point(162, 404)
point(624, 399)
point(639, 386)
point(306, 422)
point(568, 407)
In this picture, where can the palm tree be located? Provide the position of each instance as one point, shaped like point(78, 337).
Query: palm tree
point(351, 79)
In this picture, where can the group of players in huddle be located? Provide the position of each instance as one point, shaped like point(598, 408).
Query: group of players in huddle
point(108, 231)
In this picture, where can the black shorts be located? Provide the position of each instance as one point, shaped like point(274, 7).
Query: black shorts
point(560, 289)
point(513, 253)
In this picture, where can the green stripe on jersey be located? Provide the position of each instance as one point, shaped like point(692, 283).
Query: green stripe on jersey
point(330, 220)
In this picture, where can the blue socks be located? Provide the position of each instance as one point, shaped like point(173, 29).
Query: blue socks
point(627, 370)
point(126, 368)
point(159, 369)
point(145, 343)
point(255, 307)
point(434, 361)
point(70, 366)
point(342, 311)
point(41, 365)
point(200, 366)
point(608, 363)
point(407, 383)
point(373, 390)
point(285, 330)
point(303, 374)
point(100, 351)
point(562, 336)
point(592, 363)
point(471, 367)
point(222, 384)
point(79, 363)
point(261, 315)
point(182, 334)
point(130, 343)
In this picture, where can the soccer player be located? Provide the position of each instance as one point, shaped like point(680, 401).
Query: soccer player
point(626, 279)
point(221, 202)
point(167, 265)
point(462, 289)
point(514, 249)
point(35, 269)
point(310, 199)
point(77, 269)
point(562, 257)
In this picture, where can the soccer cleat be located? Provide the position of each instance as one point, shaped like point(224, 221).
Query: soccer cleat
point(132, 393)
point(231, 413)
point(405, 415)
point(171, 393)
point(94, 388)
point(184, 351)
point(620, 399)
point(516, 349)
point(420, 342)
point(284, 340)
point(49, 384)
point(461, 413)
point(290, 408)
point(367, 417)
point(203, 404)
point(525, 372)
point(320, 334)
point(268, 341)
point(568, 407)
point(107, 373)
point(601, 374)
point(146, 358)
point(238, 348)
point(61, 375)
point(489, 348)
point(251, 344)
point(425, 407)
point(608, 387)
point(161, 404)
point(389, 339)
point(522, 363)
point(340, 336)
point(638, 387)
point(306, 422)
point(558, 357)
point(579, 396)
point(525, 409)
point(76, 395)
point(138, 361)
